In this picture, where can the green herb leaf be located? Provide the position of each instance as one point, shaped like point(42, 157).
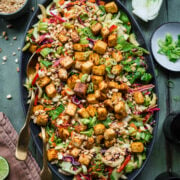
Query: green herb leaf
point(55, 113)
point(90, 88)
point(46, 63)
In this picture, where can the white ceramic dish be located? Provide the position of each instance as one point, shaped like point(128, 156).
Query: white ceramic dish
point(174, 29)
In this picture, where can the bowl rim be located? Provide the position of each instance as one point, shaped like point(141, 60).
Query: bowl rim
point(16, 12)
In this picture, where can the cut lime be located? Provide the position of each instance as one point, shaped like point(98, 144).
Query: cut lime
point(4, 168)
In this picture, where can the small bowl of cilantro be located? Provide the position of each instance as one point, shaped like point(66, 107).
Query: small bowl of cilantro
point(165, 46)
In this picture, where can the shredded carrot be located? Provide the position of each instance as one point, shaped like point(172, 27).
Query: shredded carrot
point(72, 132)
point(52, 138)
point(54, 144)
point(49, 109)
point(45, 20)
point(92, 1)
point(61, 2)
point(63, 93)
point(133, 126)
point(37, 66)
point(129, 23)
point(102, 3)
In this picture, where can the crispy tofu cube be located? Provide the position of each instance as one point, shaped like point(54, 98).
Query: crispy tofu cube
point(71, 109)
point(79, 47)
point(91, 98)
point(86, 67)
point(97, 93)
point(42, 120)
point(75, 37)
point(138, 97)
point(105, 32)
point(99, 70)
point(112, 40)
point(137, 147)
point(52, 154)
point(113, 85)
point(99, 129)
point(100, 47)
point(109, 143)
point(78, 65)
point(63, 75)
point(116, 70)
point(80, 127)
point(103, 86)
point(80, 56)
point(85, 159)
point(116, 97)
point(62, 38)
point(80, 89)
point(96, 28)
point(123, 87)
point(76, 142)
point(89, 143)
point(111, 7)
point(67, 62)
point(63, 133)
point(83, 113)
point(37, 108)
point(33, 48)
point(117, 56)
point(75, 152)
point(102, 113)
point(43, 81)
point(108, 103)
point(120, 107)
point(72, 81)
point(91, 110)
point(109, 134)
point(96, 79)
point(94, 57)
point(50, 90)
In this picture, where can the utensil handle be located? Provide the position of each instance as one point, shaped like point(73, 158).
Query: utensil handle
point(45, 165)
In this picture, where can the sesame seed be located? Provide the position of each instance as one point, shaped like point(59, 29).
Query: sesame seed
point(13, 53)
point(6, 38)
point(16, 60)
point(19, 48)
point(9, 26)
point(32, 8)
point(14, 38)
point(3, 63)
point(4, 58)
point(4, 33)
point(9, 96)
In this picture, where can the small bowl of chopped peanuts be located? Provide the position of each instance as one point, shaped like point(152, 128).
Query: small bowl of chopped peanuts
point(11, 9)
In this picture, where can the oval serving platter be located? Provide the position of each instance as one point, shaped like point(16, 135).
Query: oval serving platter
point(35, 130)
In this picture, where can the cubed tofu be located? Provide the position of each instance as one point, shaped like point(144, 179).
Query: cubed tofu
point(96, 79)
point(111, 7)
point(79, 47)
point(112, 40)
point(86, 67)
point(78, 65)
point(103, 86)
point(62, 38)
point(120, 107)
point(116, 97)
point(83, 113)
point(99, 70)
point(120, 116)
point(52, 154)
point(43, 81)
point(100, 47)
point(97, 93)
point(108, 104)
point(80, 127)
point(99, 129)
point(123, 87)
point(85, 159)
point(63, 75)
point(75, 152)
point(71, 109)
point(138, 97)
point(109, 134)
point(76, 142)
point(96, 28)
point(117, 56)
point(80, 56)
point(50, 90)
point(42, 120)
point(91, 110)
point(72, 81)
point(67, 62)
point(99, 139)
point(33, 48)
point(80, 89)
point(37, 108)
point(91, 98)
point(109, 143)
point(94, 57)
point(75, 37)
point(102, 113)
point(63, 133)
point(116, 70)
point(113, 85)
point(105, 32)
point(89, 143)
point(137, 147)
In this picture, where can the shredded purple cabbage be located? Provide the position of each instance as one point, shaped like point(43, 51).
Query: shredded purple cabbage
point(71, 159)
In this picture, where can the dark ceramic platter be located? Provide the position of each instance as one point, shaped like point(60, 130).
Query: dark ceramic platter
point(24, 94)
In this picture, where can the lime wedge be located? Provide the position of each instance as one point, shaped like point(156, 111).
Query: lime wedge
point(4, 168)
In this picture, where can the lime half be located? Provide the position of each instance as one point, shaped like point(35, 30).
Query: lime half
point(4, 168)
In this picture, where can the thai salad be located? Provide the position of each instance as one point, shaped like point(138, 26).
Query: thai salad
point(93, 92)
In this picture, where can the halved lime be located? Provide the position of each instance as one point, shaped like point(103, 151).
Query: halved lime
point(4, 168)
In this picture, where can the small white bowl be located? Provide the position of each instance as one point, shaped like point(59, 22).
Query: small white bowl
point(174, 29)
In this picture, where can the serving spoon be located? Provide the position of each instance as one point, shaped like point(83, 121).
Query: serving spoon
point(24, 135)
point(45, 173)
